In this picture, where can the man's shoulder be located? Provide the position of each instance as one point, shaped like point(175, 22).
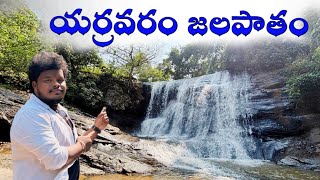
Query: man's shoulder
point(30, 111)
point(31, 107)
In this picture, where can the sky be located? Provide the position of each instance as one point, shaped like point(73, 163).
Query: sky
point(181, 11)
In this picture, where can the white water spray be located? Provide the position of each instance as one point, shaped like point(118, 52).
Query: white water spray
point(202, 113)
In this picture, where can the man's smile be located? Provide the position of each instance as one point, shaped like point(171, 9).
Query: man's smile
point(56, 91)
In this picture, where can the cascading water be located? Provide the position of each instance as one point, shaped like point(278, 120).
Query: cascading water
point(201, 127)
point(203, 114)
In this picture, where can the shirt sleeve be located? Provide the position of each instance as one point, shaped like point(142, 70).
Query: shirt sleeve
point(34, 132)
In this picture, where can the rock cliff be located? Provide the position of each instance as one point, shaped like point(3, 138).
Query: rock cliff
point(288, 135)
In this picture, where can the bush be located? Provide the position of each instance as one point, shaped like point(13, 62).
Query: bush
point(16, 80)
point(304, 82)
point(307, 84)
point(83, 93)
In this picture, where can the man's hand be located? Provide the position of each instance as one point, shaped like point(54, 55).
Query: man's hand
point(101, 123)
point(102, 120)
point(74, 151)
point(86, 140)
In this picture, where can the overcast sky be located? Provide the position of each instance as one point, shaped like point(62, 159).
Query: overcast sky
point(180, 10)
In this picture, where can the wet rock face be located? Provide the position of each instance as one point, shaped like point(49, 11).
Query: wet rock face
point(127, 106)
point(301, 152)
point(10, 103)
point(4, 128)
point(273, 147)
point(279, 128)
point(288, 136)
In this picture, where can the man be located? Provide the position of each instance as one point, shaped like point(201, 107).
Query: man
point(44, 140)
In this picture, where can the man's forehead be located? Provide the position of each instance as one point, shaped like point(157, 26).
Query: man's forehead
point(51, 72)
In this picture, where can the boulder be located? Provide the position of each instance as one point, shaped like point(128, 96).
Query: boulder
point(305, 163)
point(271, 148)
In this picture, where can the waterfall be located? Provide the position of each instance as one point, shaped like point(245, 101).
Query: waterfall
point(204, 113)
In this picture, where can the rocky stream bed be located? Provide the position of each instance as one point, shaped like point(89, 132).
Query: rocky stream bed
point(288, 137)
point(113, 151)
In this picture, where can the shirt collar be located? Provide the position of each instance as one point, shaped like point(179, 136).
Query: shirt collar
point(41, 103)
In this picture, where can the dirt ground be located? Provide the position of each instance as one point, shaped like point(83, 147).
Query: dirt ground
point(5, 162)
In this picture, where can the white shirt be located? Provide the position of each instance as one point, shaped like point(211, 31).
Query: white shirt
point(39, 140)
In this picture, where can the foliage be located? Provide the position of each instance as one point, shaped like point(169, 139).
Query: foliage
point(147, 73)
point(175, 58)
point(115, 71)
point(304, 73)
point(304, 76)
point(126, 61)
point(262, 56)
point(91, 70)
point(79, 60)
point(194, 60)
point(17, 80)
point(83, 92)
point(313, 18)
point(316, 55)
point(306, 88)
point(19, 40)
point(305, 84)
point(167, 68)
point(89, 83)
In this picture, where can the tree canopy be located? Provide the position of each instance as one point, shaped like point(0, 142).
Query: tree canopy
point(79, 60)
point(20, 39)
point(193, 60)
point(132, 62)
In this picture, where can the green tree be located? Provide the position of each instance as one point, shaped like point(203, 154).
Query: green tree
point(179, 66)
point(167, 68)
point(303, 74)
point(79, 60)
point(263, 55)
point(130, 59)
point(147, 73)
point(313, 18)
point(19, 40)
point(195, 59)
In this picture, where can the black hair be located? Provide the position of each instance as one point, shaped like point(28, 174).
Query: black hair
point(45, 61)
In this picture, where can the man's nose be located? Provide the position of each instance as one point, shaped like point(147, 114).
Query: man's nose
point(56, 84)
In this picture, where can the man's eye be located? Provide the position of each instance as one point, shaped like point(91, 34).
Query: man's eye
point(47, 80)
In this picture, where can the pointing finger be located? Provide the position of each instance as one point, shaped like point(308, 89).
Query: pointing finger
point(104, 109)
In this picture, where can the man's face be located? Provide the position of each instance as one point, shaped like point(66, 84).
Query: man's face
point(50, 86)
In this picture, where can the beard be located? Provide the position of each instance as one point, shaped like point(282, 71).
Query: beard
point(50, 102)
